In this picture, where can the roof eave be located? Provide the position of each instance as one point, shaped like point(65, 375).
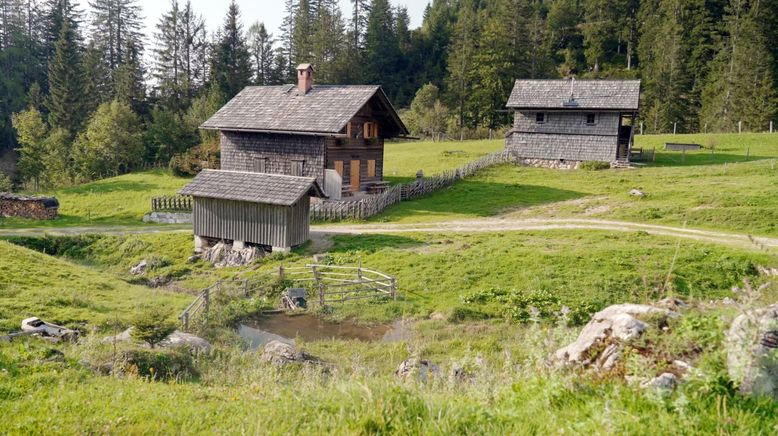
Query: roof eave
point(280, 132)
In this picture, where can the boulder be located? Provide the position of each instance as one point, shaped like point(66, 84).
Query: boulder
point(176, 339)
point(419, 369)
point(438, 316)
point(664, 384)
point(182, 339)
point(637, 193)
point(280, 353)
point(752, 352)
point(601, 340)
point(139, 268)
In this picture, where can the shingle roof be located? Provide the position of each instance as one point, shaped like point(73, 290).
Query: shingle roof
point(252, 187)
point(587, 94)
point(325, 109)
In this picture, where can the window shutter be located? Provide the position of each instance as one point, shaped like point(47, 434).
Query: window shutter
point(371, 168)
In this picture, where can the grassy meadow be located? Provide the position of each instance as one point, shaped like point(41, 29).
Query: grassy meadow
point(499, 301)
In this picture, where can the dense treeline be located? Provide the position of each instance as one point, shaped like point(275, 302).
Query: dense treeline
point(88, 95)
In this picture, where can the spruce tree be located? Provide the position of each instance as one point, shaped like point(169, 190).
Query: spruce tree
point(382, 51)
point(116, 27)
point(262, 53)
point(66, 102)
point(231, 60)
point(97, 78)
point(462, 76)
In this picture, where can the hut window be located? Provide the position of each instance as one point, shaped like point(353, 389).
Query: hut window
point(339, 167)
point(371, 168)
point(297, 167)
point(260, 165)
point(371, 130)
point(540, 117)
point(591, 119)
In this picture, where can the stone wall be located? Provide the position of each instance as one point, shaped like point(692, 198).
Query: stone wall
point(554, 164)
point(19, 206)
point(273, 153)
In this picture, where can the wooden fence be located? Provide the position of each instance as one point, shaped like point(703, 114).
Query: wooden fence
point(375, 204)
point(172, 203)
point(329, 283)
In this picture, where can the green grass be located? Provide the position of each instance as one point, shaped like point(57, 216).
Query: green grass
point(403, 160)
point(727, 193)
point(118, 201)
point(33, 284)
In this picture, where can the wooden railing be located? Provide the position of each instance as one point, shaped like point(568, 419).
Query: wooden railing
point(329, 283)
point(375, 204)
point(172, 203)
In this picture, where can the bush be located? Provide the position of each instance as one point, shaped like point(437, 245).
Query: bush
point(159, 364)
point(5, 183)
point(460, 314)
point(152, 325)
point(595, 166)
point(191, 162)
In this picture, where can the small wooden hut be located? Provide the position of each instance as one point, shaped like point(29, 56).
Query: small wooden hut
point(561, 123)
point(269, 210)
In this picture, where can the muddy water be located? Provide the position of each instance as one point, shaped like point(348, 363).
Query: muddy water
point(309, 328)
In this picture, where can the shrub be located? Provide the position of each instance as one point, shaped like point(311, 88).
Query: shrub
point(195, 160)
point(159, 364)
point(5, 183)
point(460, 314)
point(595, 166)
point(152, 325)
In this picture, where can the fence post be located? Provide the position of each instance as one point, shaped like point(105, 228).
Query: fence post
point(281, 273)
point(185, 320)
point(740, 127)
point(771, 127)
point(641, 127)
point(393, 288)
point(675, 128)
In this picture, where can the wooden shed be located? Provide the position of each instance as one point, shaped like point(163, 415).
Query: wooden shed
point(566, 122)
point(269, 210)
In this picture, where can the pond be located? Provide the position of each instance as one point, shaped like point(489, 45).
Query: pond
point(309, 328)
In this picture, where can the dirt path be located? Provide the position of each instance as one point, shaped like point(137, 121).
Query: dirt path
point(320, 233)
point(508, 224)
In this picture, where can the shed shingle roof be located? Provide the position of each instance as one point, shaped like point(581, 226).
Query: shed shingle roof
point(588, 94)
point(325, 109)
point(252, 187)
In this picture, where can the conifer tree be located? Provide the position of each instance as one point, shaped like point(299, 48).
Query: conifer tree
point(231, 60)
point(66, 101)
point(382, 51)
point(117, 28)
point(262, 53)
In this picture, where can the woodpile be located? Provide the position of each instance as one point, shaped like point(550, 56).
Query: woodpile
point(21, 206)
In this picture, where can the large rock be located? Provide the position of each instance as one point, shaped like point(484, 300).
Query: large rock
point(752, 352)
point(280, 353)
point(601, 340)
point(419, 369)
point(140, 268)
point(175, 340)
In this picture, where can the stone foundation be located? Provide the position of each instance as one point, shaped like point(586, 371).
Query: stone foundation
point(168, 218)
point(547, 163)
point(36, 208)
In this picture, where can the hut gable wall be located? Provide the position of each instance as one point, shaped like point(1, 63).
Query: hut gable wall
point(563, 146)
point(607, 123)
point(243, 151)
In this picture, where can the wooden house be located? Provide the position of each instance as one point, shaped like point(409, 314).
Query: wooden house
point(268, 210)
point(561, 123)
point(332, 133)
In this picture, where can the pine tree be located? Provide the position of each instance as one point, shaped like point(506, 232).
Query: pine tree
point(97, 78)
point(359, 16)
point(66, 102)
point(129, 85)
point(231, 60)
point(116, 27)
point(262, 53)
point(462, 77)
point(741, 86)
point(302, 35)
point(287, 48)
point(381, 48)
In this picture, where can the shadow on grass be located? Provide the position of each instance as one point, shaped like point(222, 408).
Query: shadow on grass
point(477, 198)
point(110, 186)
point(371, 243)
point(700, 158)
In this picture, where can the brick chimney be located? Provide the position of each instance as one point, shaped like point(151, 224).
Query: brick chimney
point(304, 78)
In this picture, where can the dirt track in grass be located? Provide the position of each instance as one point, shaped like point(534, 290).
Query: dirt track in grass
point(320, 232)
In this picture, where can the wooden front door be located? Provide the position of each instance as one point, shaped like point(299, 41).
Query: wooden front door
point(355, 175)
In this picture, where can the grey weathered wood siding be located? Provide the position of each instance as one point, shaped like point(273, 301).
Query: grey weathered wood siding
point(567, 147)
point(241, 151)
point(257, 223)
point(607, 123)
point(565, 136)
point(357, 149)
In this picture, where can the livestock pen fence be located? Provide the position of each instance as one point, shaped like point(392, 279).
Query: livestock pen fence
point(367, 207)
point(328, 284)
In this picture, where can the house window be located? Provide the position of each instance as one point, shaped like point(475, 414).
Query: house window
point(260, 165)
point(371, 168)
point(540, 117)
point(370, 130)
point(297, 167)
point(591, 119)
point(339, 167)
